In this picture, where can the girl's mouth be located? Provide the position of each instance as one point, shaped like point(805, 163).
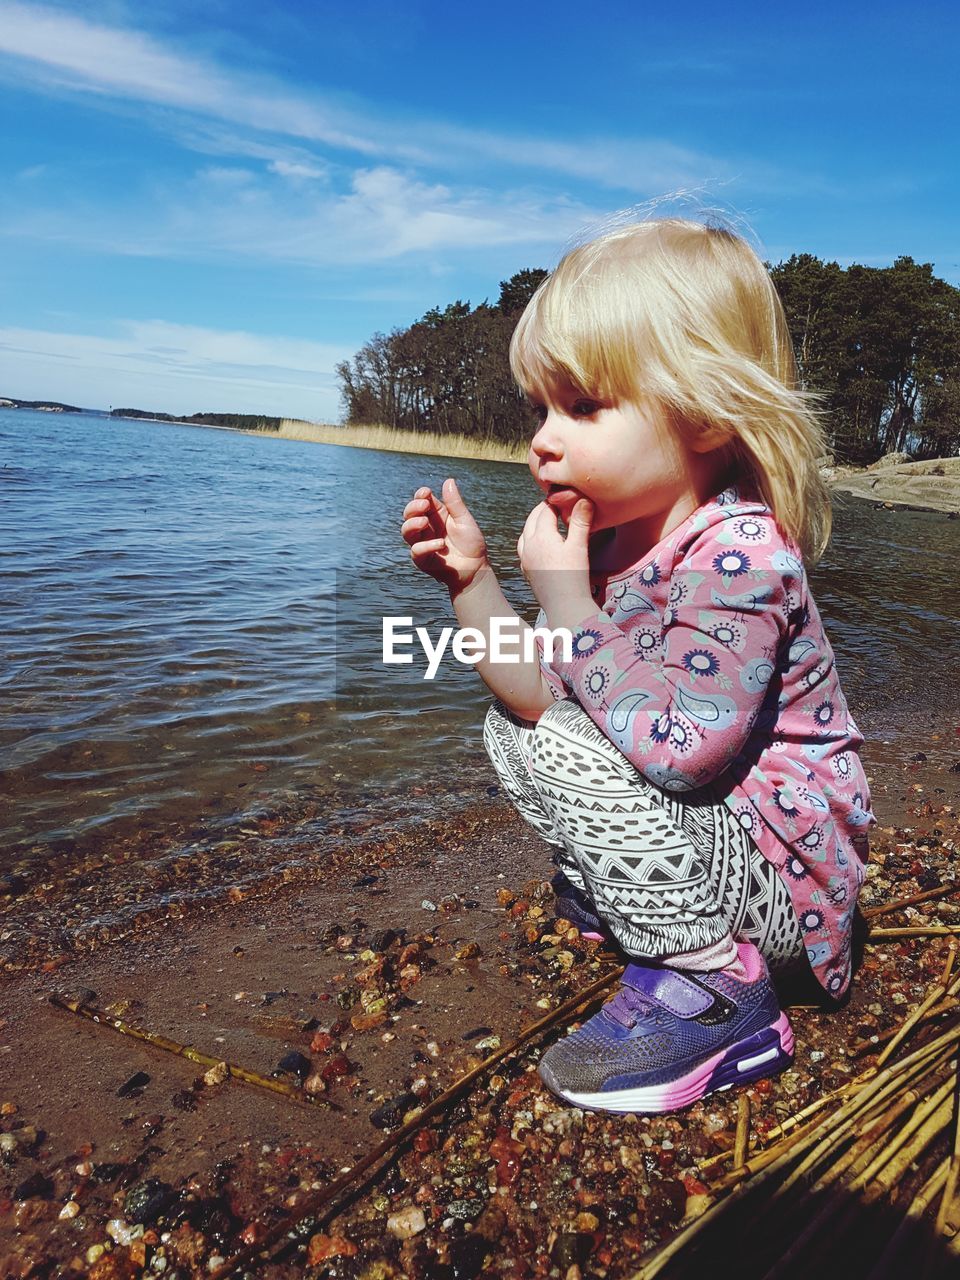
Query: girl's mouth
point(559, 494)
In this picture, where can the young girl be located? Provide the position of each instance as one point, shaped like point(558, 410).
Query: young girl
point(693, 764)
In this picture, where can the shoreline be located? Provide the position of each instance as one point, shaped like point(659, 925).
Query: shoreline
point(447, 929)
point(933, 485)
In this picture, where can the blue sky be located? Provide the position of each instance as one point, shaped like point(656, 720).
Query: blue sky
point(206, 207)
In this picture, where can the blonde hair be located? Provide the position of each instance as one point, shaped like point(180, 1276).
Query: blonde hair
point(685, 315)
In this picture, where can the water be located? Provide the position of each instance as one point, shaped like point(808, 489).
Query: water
point(170, 599)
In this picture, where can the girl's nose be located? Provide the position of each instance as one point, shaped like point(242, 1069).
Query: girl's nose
point(546, 440)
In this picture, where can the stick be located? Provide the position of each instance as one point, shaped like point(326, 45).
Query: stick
point(243, 1074)
point(906, 1027)
point(743, 1132)
point(872, 1043)
point(927, 931)
point(868, 1154)
point(773, 1161)
point(932, 1105)
point(894, 1169)
point(311, 1206)
point(948, 966)
point(915, 1211)
point(769, 1163)
point(950, 1190)
point(914, 898)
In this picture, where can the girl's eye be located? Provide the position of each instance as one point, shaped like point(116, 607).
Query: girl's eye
point(585, 408)
point(539, 411)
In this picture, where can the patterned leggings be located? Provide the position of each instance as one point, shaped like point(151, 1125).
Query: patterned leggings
point(668, 873)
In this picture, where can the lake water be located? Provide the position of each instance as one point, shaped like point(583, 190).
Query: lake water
point(170, 599)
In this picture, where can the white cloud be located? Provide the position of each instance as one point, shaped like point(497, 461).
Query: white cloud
point(66, 51)
point(296, 169)
point(384, 215)
point(175, 368)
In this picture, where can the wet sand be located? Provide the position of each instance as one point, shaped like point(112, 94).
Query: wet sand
point(312, 968)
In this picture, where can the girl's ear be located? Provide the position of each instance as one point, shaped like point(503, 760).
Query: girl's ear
point(706, 438)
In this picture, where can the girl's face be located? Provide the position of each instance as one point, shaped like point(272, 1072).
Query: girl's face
point(624, 457)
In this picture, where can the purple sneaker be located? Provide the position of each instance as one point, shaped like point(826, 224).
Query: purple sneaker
point(669, 1036)
point(574, 907)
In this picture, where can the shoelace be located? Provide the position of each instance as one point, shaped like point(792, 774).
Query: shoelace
point(628, 1006)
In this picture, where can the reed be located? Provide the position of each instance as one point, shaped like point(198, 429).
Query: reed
point(391, 440)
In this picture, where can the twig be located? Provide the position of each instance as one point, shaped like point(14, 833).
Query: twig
point(948, 965)
point(321, 1200)
point(899, 903)
point(935, 994)
point(743, 1132)
point(770, 1163)
point(875, 1170)
point(872, 1043)
point(870, 1153)
point(950, 1190)
point(926, 931)
point(243, 1074)
point(892, 1083)
point(915, 1211)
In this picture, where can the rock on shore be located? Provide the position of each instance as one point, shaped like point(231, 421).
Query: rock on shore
point(933, 485)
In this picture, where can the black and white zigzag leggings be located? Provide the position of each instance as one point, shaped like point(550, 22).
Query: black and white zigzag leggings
point(668, 873)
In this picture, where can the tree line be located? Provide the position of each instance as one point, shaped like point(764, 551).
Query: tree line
point(237, 421)
point(882, 344)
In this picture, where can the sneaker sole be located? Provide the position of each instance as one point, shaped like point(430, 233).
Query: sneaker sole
point(765, 1053)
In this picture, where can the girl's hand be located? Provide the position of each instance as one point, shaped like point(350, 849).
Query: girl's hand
point(557, 568)
point(444, 539)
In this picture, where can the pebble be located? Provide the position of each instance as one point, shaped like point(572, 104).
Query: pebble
point(69, 1210)
point(408, 1222)
point(147, 1200)
point(216, 1075)
point(122, 1232)
point(322, 1246)
point(489, 1044)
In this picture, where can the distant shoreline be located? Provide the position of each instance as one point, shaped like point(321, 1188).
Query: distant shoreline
point(932, 485)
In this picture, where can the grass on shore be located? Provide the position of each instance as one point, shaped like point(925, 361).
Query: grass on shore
point(377, 436)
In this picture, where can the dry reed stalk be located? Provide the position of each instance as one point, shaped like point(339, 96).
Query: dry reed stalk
point(873, 1043)
point(950, 1190)
point(899, 903)
point(925, 931)
point(818, 1136)
point(851, 1086)
point(864, 1106)
point(936, 993)
point(930, 1106)
point(319, 1201)
point(862, 1152)
point(915, 1211)
point(243, 1074)
point(940, 990)
point(743, 1132)
point(948, 964)
point(854, 1169)
point(768, 1163)
point(895, 1168)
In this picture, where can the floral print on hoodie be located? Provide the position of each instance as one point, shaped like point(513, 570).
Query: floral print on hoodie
point(709, 659)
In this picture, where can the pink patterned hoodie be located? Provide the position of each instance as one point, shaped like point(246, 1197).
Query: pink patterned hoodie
point(709, 658)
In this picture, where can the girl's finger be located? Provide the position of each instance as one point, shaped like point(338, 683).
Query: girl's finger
point(413, 530)
point(427, 548)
